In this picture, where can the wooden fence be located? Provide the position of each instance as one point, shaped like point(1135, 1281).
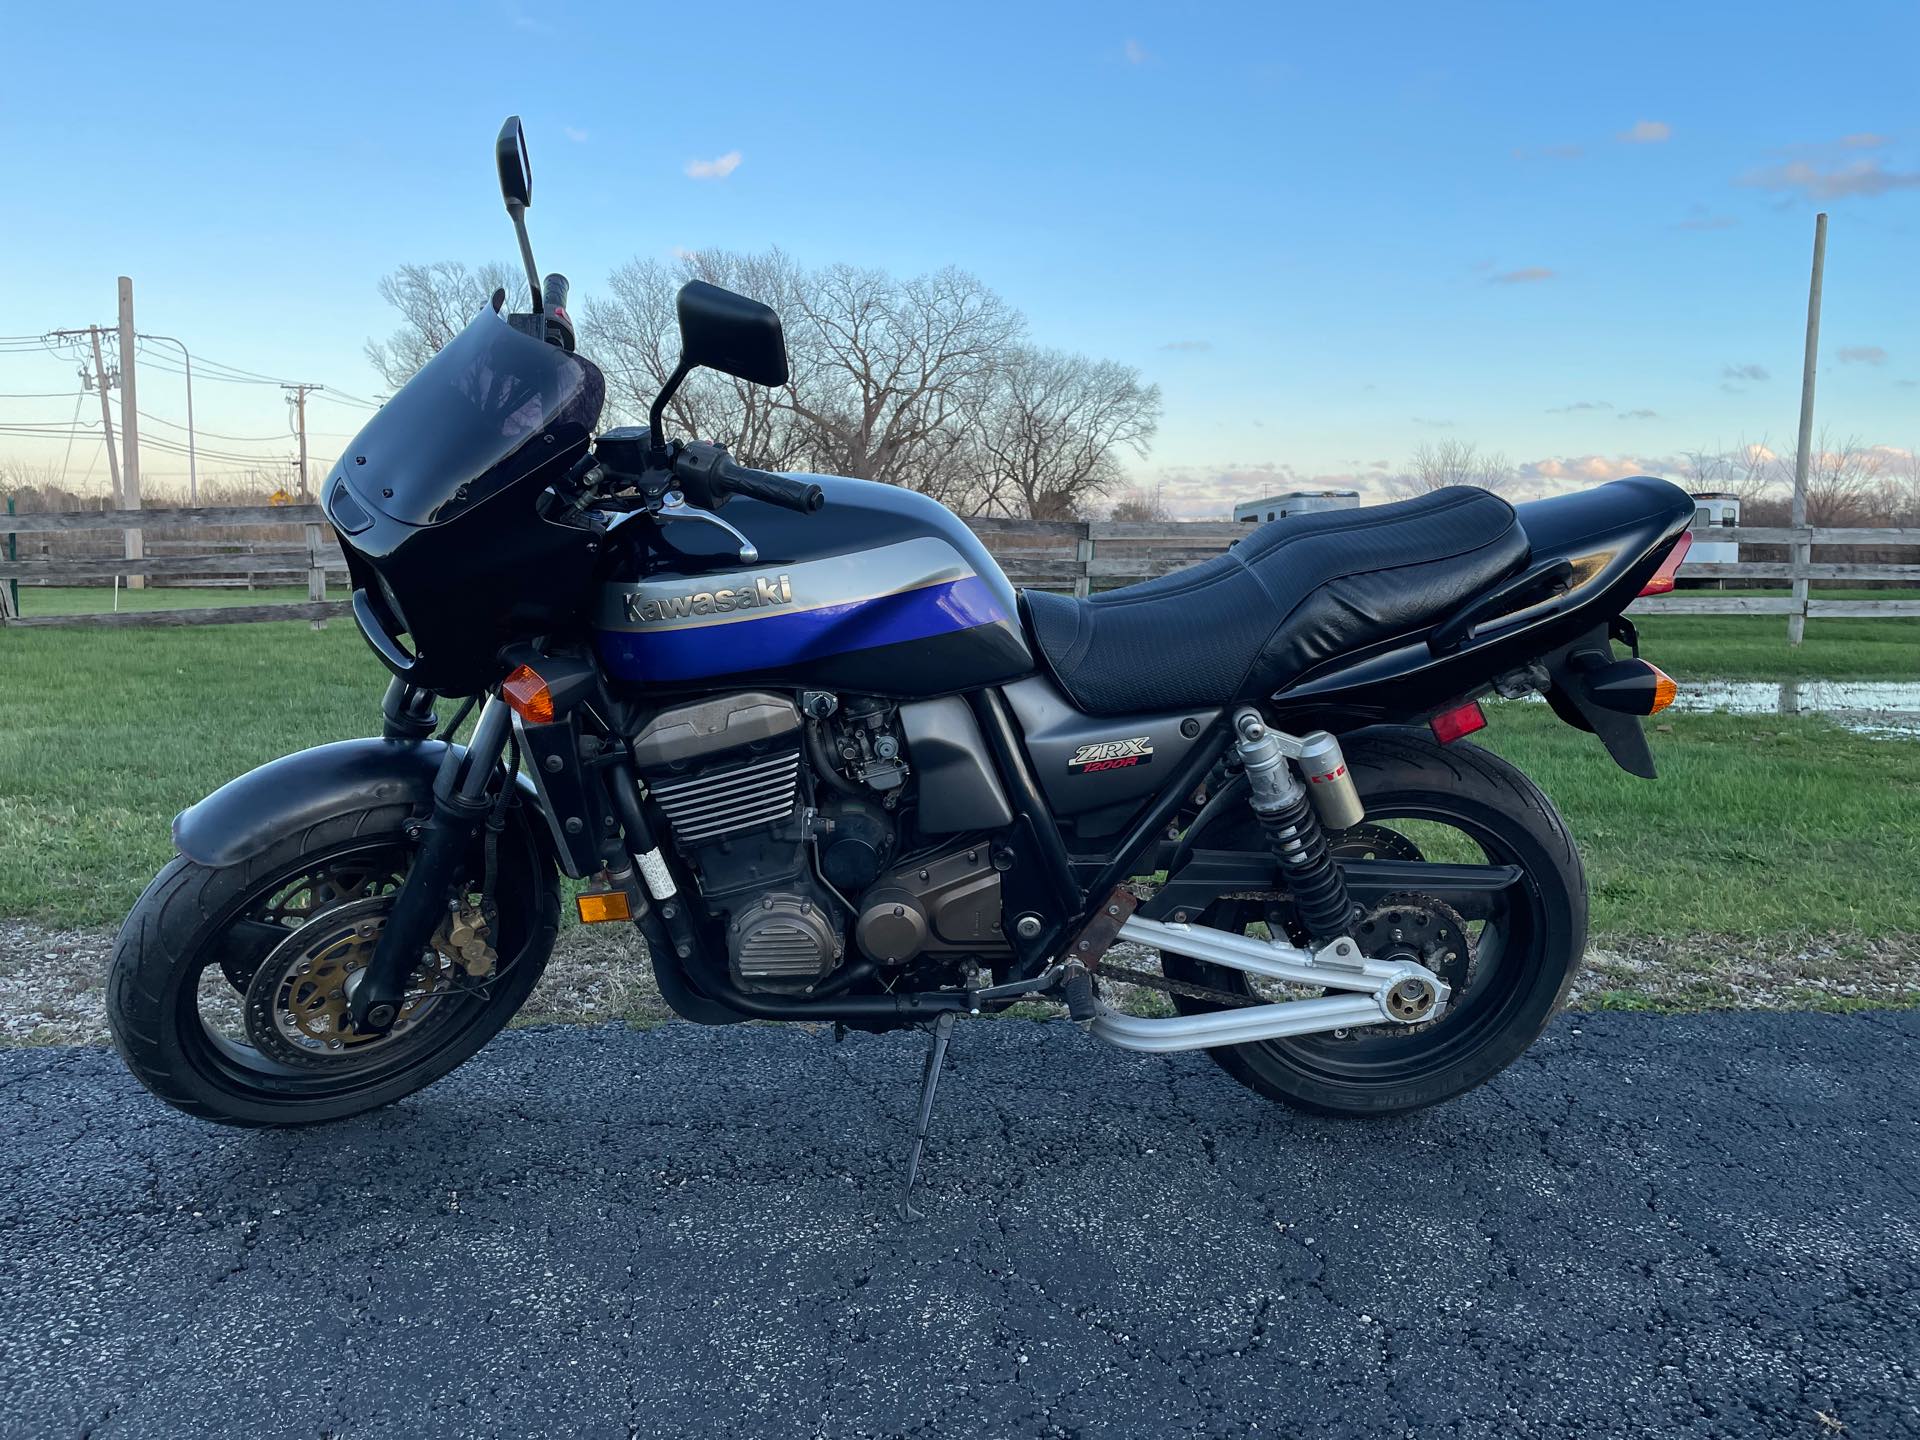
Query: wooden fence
point(1080, 557)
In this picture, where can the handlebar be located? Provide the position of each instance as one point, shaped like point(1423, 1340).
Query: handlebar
point(710, 476)
point(553, 305)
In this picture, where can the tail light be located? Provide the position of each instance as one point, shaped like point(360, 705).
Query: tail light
point(1661, 581)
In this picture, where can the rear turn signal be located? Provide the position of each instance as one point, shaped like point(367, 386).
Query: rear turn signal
point(598, 906)
point(1451, 725)
point(528, 697)
point(1632, 687)
point(1661, 582)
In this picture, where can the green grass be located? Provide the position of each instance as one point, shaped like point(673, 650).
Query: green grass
point(1758, 825)
point(1754, 647)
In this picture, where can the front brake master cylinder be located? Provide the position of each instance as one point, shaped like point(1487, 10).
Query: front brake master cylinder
point(1291, 813)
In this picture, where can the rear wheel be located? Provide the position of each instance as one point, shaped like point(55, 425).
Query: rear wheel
point(1509, 964)
point(228, 986)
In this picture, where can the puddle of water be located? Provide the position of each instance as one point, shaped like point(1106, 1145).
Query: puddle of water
point(1882, 708)
point(1870, 707)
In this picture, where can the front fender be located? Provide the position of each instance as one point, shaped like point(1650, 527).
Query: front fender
point(246, 815)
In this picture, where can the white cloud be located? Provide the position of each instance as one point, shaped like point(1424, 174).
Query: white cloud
point(1862, 177)
point(1188, 345)
point(1136, 53)
point(1571, 472)
point(717, 168)
point(1648, 132)
point(574, 133)
point(1862, 355)
point(1526, 275)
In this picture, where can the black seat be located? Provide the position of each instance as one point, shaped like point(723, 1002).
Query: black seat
point(1293, 593)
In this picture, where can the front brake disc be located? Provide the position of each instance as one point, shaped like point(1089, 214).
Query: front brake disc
point(297, 1001)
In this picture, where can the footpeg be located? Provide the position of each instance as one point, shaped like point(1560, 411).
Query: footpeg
point(1082, 1007)
point(929, 1084)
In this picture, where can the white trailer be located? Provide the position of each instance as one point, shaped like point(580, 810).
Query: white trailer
point(1718, 509)
point(1294, 502)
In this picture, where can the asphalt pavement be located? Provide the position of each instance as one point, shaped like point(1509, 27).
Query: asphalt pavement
point(1649, 1226)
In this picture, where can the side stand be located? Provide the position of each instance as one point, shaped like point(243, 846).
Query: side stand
point(936, 1055)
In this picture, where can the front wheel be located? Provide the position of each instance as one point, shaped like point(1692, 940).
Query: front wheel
point(228, 986)
point(1509, 969)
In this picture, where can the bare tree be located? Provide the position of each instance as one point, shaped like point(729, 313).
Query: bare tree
point(1453, 462)
point(1750, 470)
point(1842, 478)
point(636, 340)
point(435, 303)
point(887, 372)
point(1142, 504)
point(1055, 431)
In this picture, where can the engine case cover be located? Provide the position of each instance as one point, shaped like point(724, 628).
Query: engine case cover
point(783, 942)
point(944, 906)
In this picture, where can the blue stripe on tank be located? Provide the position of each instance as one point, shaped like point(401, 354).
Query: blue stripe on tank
point(772, 642)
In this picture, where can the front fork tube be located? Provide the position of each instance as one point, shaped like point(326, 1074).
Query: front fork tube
point(668, 903)
point(460, 806)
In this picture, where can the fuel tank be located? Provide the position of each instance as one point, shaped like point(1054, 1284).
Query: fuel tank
point(881, 592)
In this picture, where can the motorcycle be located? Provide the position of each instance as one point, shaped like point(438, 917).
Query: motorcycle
point(802, 732)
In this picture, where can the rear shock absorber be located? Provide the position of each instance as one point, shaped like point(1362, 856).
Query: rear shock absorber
point(1291, 820)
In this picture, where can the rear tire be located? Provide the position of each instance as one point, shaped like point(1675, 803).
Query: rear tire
point(182, 927)
point(1403, 774)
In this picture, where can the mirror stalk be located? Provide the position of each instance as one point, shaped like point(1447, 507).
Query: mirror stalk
point(518, 214)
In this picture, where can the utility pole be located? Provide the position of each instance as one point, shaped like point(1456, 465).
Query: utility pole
point(299, 402)
point(1802, 553)
point(193, 469)
point(106, 413)
point(129, 431)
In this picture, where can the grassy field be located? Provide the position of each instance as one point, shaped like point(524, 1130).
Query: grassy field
point(1758, 825)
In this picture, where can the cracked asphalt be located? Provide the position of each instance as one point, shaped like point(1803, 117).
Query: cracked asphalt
point(1650, 1226)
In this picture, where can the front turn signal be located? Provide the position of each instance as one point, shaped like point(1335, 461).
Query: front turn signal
point(527, 695)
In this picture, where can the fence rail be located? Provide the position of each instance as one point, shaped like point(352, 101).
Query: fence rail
point(1076, 556)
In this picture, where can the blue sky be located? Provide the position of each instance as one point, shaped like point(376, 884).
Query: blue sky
point(1576, 234)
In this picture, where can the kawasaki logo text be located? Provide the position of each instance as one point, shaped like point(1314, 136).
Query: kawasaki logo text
point(765, 591)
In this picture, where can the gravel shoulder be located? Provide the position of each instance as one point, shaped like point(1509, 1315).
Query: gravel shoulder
point(52, 982)
point(1651, 1226)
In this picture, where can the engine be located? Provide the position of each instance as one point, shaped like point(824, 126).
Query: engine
point(797, 824)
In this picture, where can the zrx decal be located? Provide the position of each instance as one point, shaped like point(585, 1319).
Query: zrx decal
point(1111, 755)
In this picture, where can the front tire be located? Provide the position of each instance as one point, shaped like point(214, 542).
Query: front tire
point(1528, 955)
point(190, 941)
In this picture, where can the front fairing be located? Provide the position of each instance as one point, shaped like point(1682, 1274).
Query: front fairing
point(491, 409)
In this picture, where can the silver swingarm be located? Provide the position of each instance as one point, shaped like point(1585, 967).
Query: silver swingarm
point(1395, 992)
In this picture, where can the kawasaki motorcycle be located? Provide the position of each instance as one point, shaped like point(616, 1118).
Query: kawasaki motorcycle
point(802, 732)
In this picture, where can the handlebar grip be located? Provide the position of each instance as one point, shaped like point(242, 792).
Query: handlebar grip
point(764, 485)
point(553, 294)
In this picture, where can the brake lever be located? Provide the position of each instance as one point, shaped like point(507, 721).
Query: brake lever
point(673, 506)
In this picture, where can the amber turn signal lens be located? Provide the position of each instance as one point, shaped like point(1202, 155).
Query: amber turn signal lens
point(1663, 689)
point(527, 696)
point(599, 906)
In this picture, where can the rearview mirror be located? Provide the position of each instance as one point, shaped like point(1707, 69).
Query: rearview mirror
point(730, 333)
point(516, 171)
